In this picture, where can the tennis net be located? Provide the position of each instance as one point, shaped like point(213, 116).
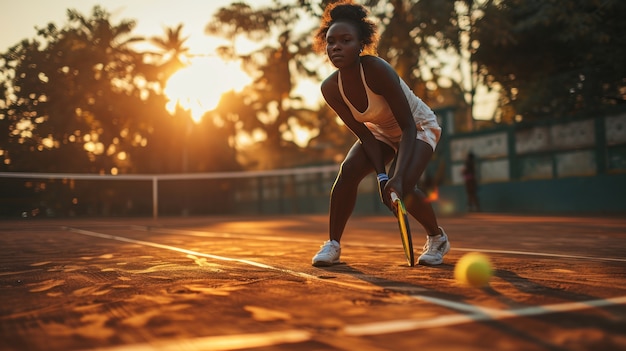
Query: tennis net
point(297, 190)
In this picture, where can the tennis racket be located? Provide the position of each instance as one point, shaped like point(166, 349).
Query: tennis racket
point(405, 231)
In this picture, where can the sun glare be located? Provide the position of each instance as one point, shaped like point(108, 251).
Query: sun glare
point(198, 87)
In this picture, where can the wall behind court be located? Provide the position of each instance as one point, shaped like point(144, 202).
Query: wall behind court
point(556, 166)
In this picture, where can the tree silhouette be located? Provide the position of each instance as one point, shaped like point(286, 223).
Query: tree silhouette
point(74, 97)
point(268, 107)
point(174, 53)
point(554, 58)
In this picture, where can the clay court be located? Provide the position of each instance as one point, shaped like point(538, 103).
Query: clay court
point(246, 283)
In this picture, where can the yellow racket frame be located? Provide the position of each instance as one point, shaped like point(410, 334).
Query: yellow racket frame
point(405, 230)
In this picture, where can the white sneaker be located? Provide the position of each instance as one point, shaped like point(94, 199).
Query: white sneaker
point(434, 250)
point(328, 254)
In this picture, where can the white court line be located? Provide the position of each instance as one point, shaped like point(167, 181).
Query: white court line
point(403, 325)
point(476, 313)
point(278, 238)
point(216, 257)
point(544, 254)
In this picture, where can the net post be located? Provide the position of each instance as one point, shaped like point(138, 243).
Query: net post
point(155, 198)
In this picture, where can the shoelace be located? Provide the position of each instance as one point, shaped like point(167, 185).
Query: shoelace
point(429, 248)
point(327, 247)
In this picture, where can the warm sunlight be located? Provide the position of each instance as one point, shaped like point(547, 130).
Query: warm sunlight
point(199, 86)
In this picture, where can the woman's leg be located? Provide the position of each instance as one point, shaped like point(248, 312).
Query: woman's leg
point(342, 200)
point(437, 244)
point(415, 200)
point(344, 192)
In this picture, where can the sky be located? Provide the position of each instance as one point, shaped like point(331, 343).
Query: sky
point(19, 18)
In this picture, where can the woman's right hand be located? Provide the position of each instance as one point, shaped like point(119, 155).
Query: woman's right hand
point(394, 185)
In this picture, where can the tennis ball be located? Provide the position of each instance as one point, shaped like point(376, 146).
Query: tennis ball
point(473, 269)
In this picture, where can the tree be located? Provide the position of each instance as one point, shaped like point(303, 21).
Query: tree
point(205, 146)
point(174, 54)
point(74, 103)
point(430, 44)
point(268, 107)
point(554, 58)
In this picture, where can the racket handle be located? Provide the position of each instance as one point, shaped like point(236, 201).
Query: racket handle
point(394, 197)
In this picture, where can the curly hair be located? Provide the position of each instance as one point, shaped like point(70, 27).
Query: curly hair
point(347, 11)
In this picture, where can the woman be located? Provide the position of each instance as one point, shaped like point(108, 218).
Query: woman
point(390, 122)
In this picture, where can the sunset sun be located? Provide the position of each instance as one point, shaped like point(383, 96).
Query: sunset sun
point(198, 87)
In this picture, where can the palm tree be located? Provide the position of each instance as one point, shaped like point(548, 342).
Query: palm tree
point(174, 54)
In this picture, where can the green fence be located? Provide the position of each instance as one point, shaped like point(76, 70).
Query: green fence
point(574, 165)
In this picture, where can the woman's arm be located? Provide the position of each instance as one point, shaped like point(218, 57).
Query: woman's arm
point(330, 91)
point(384, 80)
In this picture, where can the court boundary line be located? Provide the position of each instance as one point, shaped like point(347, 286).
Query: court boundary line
point(405, 325)
point(225, 235)
point(207, 255)
point(474, 313)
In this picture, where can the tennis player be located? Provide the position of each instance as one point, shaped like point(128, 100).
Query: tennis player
point(392, 124)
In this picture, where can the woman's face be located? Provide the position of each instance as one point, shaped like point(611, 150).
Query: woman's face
point(343, 45)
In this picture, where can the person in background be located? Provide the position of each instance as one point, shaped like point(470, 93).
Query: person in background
point(471, 185)
point(392, 124)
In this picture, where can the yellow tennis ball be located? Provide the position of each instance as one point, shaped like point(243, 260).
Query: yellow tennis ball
point(473, 269)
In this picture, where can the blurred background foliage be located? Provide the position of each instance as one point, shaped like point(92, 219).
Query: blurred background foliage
point(81, 97)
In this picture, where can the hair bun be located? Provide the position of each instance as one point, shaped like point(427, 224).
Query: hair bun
point(348, 12)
